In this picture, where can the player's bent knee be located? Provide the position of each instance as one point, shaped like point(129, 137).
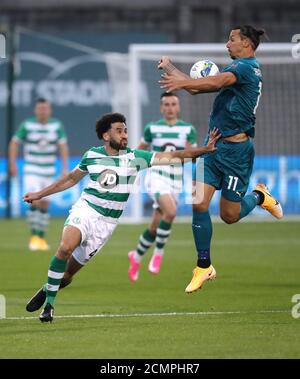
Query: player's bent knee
point(169, 216)
point(201, 207)
point(152, 229)
point(65, 250)
point(229, 218)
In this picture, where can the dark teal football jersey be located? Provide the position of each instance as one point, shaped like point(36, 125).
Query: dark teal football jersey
point(235, 106)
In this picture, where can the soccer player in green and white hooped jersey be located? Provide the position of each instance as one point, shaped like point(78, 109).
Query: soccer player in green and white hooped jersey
point(163, 183)
point(112, 169)
point(229, 168)
point(41, 136)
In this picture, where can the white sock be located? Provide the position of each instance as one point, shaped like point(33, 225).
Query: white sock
point(158, 252)
point(137, 257)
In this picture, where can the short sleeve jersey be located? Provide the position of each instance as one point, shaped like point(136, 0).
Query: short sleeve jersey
point(111, 178)
point(164, 137)
point(40, 145)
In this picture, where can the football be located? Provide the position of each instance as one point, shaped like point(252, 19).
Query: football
point(203, 68)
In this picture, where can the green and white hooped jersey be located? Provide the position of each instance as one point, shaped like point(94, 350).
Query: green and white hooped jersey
point(111, 178)
point(164, 137)
point(40, 145)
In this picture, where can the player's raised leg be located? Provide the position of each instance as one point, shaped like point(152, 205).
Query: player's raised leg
point(233, 211)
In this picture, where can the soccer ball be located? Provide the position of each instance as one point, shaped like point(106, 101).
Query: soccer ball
point(203, 68)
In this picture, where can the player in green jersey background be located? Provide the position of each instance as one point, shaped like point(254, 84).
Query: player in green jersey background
point(163, 183)
point(41, 136)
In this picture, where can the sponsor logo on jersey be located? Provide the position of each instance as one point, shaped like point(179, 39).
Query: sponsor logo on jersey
point(108, 179)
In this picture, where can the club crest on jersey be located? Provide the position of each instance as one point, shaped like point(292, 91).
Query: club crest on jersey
point(108, 179)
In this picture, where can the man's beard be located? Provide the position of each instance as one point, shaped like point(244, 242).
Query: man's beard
point(117, 146)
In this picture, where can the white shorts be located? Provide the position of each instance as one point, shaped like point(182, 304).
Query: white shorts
point(95, 231)
point(33, 183)
point(156, 185)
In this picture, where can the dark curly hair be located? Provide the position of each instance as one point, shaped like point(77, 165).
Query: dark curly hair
point(104, 123)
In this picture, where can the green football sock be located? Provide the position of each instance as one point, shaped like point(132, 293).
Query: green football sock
point(145, 241)
point(55, 275)
point(163, 232)
point(32, 219)
point(43, 220)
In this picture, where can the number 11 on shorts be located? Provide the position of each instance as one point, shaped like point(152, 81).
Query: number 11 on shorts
point(232, 182)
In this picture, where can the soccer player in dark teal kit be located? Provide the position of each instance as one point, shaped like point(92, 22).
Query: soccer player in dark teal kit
point(229, 168)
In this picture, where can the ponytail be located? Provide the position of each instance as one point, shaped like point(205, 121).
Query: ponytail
point(248, 31)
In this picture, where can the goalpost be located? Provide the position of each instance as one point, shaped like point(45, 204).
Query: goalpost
point(277, 139)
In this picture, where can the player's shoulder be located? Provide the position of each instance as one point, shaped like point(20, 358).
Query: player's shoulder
point(97, 150)
point(136, 153)
point(184, 123)
point(55, 121)
point(248, 68)
point(160, 122)
point(252, 66)
point(131, 153)
point(249, 64)
point(29, 121)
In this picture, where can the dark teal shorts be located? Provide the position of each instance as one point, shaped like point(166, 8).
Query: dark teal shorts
point(228, 168)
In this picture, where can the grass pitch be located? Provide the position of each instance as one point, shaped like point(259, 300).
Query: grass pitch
point(245, 313)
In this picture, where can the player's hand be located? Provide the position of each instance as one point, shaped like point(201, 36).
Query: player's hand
point(214, 135)
point(169, 82)
point(163, 62)
point(29, 197)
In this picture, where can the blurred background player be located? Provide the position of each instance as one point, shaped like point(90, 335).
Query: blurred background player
point(41, 135)
point(163, 183)
point(230, 167)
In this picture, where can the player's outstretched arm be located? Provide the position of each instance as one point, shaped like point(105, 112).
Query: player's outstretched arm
point(203, 85)
point(12, 157)
point(60, 185)
point(64, 154)
point(167, 157)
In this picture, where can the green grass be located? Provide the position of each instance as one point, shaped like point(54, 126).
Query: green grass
point(258, 266)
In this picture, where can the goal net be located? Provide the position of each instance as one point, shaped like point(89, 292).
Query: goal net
point(277, 141)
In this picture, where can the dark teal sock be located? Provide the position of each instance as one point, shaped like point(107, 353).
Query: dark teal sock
point(202, 230)
point(248, 203)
